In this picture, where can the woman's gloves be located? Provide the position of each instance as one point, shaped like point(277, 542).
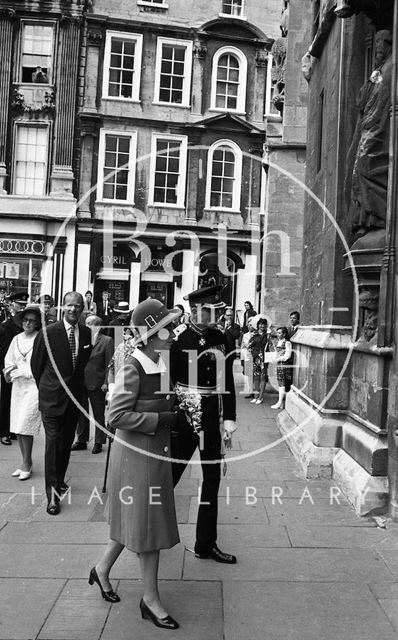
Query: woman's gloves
point(167, 419)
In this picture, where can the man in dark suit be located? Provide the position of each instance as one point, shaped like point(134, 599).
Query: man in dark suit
point(95, 379)
point(8, 330)
point(58, 361)
point(105, 308)
point(294, 323)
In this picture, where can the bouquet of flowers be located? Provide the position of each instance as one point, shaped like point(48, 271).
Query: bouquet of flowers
point(190, 402)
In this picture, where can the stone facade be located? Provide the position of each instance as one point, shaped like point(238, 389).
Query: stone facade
point(341, 405)
point(206, 32)
point(285, 165)
point(40, 49)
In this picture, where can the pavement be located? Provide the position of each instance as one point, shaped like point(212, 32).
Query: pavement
point(308, 567)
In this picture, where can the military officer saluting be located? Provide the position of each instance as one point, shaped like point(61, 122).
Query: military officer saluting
point(202, 373)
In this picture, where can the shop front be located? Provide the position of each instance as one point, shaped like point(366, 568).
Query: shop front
point(22, 266)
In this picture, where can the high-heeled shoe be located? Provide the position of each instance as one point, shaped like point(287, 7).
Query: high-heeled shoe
point(25, 475)
point(16, 473)
point(109, 596)
point(164, 623)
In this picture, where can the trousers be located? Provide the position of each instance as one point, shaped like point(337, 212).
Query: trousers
point(183, 445)
point(60, 433)
point(97, 402)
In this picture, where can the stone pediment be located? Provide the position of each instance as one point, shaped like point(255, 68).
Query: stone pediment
point(227, 122)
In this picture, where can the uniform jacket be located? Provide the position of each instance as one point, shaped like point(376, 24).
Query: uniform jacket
point(53, 398)
point(96, 369)
point(210, 342)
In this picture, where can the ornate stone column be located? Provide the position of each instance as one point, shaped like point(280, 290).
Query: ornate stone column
point(94, 41)
point(90, 121)
point(6, 31)
point(260, 81)
point(199, 54)
point(68, 64)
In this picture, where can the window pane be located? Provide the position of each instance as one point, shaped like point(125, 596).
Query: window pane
point(121, 68)
point(172, 70)
point(116, 179)
point(167, 171)
point(227, 85)
point(222, 178)
point(30, 161)
point(36, 53)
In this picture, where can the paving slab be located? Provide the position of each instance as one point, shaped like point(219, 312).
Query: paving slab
point(318, 489)
point(55, 533)
point(390, 608)
point(242, 488)
point(293, 565)
point(282, 611)
point(80, 613)
point(318, 512)
point(370, 537)
point(391, 559)
point(386, 590)
point(232, 539)
point(198, 607)
point(25, 604)
point(234, 511)
point(75, 561)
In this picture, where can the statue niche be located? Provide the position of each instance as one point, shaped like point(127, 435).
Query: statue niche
point(369, 177)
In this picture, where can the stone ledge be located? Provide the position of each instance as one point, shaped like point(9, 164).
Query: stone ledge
point(365, 492)
point(324, 337)
point(316, 462)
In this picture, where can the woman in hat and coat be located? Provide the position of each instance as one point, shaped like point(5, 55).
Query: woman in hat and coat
point(141, 499)
point(25, 417)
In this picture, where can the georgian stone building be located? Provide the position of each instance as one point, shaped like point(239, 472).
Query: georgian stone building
point(341, 415)
point(39, 43)
point(172, 135)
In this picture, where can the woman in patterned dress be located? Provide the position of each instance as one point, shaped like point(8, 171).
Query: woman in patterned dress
point(284, 373)
point(25, 417)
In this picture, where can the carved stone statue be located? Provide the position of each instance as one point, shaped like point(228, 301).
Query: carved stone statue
point(371, 142)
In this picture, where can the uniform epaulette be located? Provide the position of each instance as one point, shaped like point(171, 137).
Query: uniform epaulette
point(179, 329)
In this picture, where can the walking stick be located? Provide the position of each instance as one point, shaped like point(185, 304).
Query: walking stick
point(111, 433)
point(110, 439)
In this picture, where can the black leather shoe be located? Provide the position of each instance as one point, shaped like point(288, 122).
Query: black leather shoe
point(164, 623)
point(63, 488)
point(217, 555)
point(109, 596)
point(79, 446)
point(97, 448)
point(6, 440)
point(53, 508)
point(13, 436)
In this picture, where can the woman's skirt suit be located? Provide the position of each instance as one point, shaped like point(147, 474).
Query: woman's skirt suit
point(141, 499)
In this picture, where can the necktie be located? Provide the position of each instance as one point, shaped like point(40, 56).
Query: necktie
point(72, 345)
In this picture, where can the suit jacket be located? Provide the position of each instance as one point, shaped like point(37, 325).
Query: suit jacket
point(95, 373)
point(53, 398)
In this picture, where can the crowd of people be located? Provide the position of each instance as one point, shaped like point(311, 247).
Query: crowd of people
point(163, 406)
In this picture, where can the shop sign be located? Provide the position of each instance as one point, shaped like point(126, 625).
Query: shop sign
point(119, 260)
point(24, 247)
point(157, 261)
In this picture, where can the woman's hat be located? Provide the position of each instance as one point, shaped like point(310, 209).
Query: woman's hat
point(122, 307)
point(32, 308)
point(150, 316)
point(254, 320)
